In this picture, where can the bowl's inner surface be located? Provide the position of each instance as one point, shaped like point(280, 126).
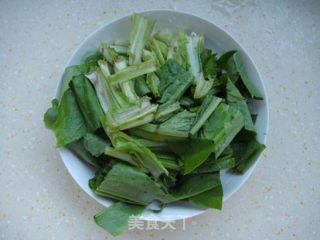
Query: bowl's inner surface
point(217, 40)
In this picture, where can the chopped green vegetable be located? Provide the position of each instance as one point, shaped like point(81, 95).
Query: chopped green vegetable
point(87, 101)
point(94, 144)
point(193, 152)
point(246, 154)
point(222, 126)
point(66, 120)
point(174, 82)
point(158, 116)
point(207, 107)
point(212, 198)
point(115, 219)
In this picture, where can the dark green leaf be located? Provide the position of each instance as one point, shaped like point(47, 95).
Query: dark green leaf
point(222, 126)
point(193, 152)
point(141, 87)
point(51, 115)
point(95, 144)
point(78, 149)
point(236, 100)
point(231, 63)
point(71, 72)
point(212, 198)
point(174, 81)
point(246, 154)
point(87, 101)
point(192, 185)
point(115, 219)
point(207, 107)
point(131, 183)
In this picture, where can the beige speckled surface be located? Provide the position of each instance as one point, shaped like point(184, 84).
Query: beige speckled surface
point(39, 199)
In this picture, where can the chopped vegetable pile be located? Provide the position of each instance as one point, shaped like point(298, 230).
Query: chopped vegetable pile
point(158, 116)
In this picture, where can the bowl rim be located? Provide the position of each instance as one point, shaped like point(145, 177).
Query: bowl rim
point(239, 46)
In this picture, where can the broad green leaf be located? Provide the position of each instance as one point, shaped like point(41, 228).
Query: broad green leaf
point(78, 148)
point(222, 126)
point(231, 63)
point(225, 161)
point(236, 100)
point(246, 154)
point(180, 122)
point(69, 124)
point(193, 152)
point(192, 185)
point(174, 81)
point(71, 72)
point(115, 219)
point(212, 198)
point(131, 183)
point(94, 144)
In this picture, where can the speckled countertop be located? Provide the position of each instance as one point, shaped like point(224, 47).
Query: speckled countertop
point(40, 200)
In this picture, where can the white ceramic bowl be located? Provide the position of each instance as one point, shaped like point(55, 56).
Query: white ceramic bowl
point(216, 39)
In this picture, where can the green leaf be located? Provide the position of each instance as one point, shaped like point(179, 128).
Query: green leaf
point(165, 111)
point(246, 154)
point(186, 102)
point(181, 122)
point(207, 107)
point(92, 58)
point(169, 161)
point(51, 115)
point(193, 152)
point(94, 144)
point(192, 185)
point(141, 87)
point(115, 219)
point(69, 124)
point(77, 148)
point(212, 198)
point(222, 126)
point(144, 157)
point(230, 62)
point(225, 161)
point(87, 101)
point(236, 100)
point(71, 72)
point(153, 83)
point(209, 64)
point(131, 183)
point(174, 82)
